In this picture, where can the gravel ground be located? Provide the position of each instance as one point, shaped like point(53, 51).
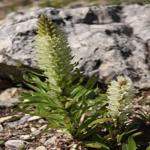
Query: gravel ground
point(20, 131)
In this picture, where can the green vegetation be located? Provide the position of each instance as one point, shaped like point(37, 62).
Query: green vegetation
point(74, 103)
point(131, 145)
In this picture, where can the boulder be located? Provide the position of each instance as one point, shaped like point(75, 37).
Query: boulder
point(107, 41)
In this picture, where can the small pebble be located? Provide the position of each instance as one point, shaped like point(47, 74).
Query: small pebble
point(41, 148)
point(42, 140)
point(33, 129)
point(3, 119)
point(31, 148)
point(18, 122)
point(41, 121)
point(34, 118)
point(50, 141)
point(10, 97)
point(37, 132)
point(25, 137)
point(43, 127)
point(14, 144)
point(1, 128)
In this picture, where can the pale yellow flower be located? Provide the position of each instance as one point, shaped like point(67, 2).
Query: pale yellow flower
point(120, 94)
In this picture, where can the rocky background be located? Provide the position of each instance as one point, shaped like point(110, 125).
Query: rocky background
point(106, 41)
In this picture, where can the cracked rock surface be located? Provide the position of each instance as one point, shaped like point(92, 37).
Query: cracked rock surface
point(106, 40)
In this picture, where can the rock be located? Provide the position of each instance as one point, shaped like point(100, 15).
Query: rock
point(31, 148)
point(1, 128)
point(9, 97)
point(41, 148)
point(42, 121)
point(14, 144)
point(139, 22)
point(26, 137)
point(35, 131)
point(51, 141)
point(33, 118)
point(106, 41)
point(42, 140)
point(19, 122)
point(112, 55)
point(7, 118)
point(43, 127)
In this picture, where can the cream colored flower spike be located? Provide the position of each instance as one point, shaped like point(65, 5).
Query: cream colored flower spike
point(120, 94)
point(54, 54)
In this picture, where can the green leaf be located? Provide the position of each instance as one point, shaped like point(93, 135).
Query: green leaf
point(148, 148)
point(85, 124)
point(131, 143)
point(97, 145)
point(78, 92)
point(123, 137)
point(125, 147)
point(91, 82)
point(100, 121)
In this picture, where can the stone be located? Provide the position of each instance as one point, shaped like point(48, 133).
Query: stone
point(19, 122)
point(25, 137)
point(33, 129)
point(41, 148)
point(36, 132)
point(43, 127)
point(7, 118)
point(10, 97)
point(14, 144)
point(31, 148)
point(1, 128)
point(139, 22)
point(50, 141)
point(33, 118)
point(42, 140)
point(106, 41)
point(42, 121)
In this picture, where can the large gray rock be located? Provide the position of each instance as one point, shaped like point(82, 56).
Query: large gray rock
point(106, 40)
